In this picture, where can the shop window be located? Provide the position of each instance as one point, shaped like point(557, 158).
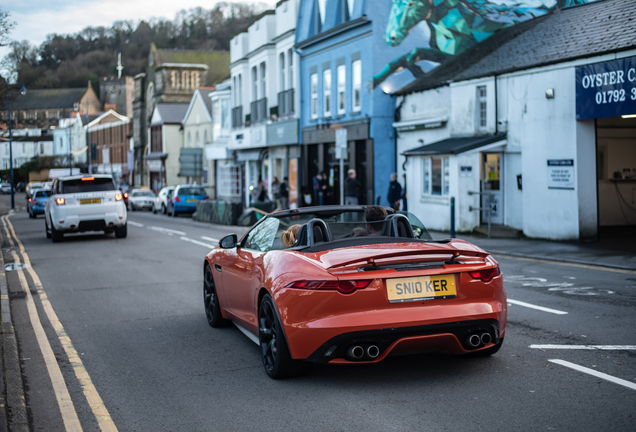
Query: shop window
point(436, 176)
point(482, 120)
point(314, 96)
point(356, 72)
point(341, 89)
point(228, 180)
point(326, 91)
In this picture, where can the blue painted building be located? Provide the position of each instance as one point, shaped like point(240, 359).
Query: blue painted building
point(343, 51)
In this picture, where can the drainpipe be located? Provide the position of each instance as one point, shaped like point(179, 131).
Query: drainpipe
point(496, 108)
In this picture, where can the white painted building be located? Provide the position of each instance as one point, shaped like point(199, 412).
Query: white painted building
point(26, 144)
point(513, 121)
point(197, 133)
point(265, 98)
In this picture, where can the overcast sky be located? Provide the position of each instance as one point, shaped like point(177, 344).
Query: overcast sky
point(37, 18)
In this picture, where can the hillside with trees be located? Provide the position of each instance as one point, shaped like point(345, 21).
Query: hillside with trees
point(71, 60)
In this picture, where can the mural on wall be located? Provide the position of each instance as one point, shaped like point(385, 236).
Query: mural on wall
point(449, 27)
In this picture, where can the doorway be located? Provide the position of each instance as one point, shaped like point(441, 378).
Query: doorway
point(491, 188)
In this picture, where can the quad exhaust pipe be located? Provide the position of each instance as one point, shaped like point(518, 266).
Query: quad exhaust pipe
point(373, 351)
point(476, 340)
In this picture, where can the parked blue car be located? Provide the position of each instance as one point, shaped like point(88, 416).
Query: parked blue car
point(37, 201)
point(185, 198)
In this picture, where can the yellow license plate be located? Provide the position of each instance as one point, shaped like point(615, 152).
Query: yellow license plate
point(91, 201)
point(193, 200)
point(421, 288)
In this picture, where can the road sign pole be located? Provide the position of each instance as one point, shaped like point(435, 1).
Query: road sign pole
point(341, 153)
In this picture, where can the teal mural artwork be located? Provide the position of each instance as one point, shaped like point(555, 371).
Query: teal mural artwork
point(455, 25)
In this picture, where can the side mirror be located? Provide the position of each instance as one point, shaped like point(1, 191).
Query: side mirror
point(229, 241)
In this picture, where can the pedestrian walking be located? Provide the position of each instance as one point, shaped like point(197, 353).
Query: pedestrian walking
point(283, 201)
point(351, 188)
point(275, 189)
point(395, 193)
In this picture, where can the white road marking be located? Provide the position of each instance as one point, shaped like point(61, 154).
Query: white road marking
point(198, 242)
point(137, 224)
point(587, 347)
point(541, 308)
point(210, 239)
point(597, 374)
point(166, 230)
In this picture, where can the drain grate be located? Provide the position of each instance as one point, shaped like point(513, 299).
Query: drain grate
point(15, 266)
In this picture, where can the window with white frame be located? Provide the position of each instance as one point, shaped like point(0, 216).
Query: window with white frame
point(235, 92)
point(482, 120)
point(225, 116)
point(436, 176)
point(356, 72)
point(326, 92)
point(314, 95)
point(263, 80)
point(290, 69)
point(281, 63)
point(342, 81)
point(228, 179)
point(239, 101)
point(254, 84)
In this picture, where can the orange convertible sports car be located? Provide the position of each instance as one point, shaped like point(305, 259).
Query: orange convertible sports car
point(337, 284)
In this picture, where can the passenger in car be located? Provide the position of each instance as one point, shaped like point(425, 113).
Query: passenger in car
point(290, 235)
point(374, 215)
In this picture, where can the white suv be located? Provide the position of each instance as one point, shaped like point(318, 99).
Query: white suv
point(85, 203)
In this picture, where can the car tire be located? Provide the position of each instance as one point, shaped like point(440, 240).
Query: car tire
point(163, 209)
point(174, 212)
point(46, 228)
point(488, 351)
point(56, 235)
point(154, 210)
point(211, 301)
point(30, 214)
point(122, 231)
point(277, 360)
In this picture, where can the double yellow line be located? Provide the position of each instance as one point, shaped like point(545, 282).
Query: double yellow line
point(69, 415)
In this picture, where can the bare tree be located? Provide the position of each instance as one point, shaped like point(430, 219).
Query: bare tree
point(6, 25)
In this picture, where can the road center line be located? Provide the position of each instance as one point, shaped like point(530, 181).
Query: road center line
point(565, 263)
point(198, 242)
point(587, 347)
point(137, 224)
point(98, 408)
point(210, 239)
point(597, 374)
point(166, 230)
point(541, 308)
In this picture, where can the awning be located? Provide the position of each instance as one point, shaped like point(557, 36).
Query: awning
point(155, 156)
point(458, 145)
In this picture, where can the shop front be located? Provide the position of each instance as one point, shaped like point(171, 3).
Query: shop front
point(284, 154)
point(319, 155)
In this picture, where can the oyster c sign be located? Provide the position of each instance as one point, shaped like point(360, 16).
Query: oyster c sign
point(606, 89)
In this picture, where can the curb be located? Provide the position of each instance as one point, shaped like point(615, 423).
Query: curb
point(562, 260)
point(16, 411)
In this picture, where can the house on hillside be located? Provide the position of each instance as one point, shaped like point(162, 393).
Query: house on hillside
point(43, 108)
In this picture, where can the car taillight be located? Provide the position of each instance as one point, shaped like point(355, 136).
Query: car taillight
point(126, 195)
point(118, 197)
point(29, 199)
point(485, 275)
point(177, 199)
point(207, 197)
point(60, 201)
point(345, 287)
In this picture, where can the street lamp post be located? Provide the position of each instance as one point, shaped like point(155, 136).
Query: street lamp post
point(22, 92)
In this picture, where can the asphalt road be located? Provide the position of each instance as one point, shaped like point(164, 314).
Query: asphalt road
point(132, 309)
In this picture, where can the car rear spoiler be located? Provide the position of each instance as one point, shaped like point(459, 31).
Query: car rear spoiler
point(450, 250)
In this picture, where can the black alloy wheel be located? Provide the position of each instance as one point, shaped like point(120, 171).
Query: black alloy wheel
point(211, 301)
point(274, 350)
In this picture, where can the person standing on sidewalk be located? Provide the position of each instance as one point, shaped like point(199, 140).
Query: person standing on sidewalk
point(395, 193)
point(351, 188)
point(283, 201)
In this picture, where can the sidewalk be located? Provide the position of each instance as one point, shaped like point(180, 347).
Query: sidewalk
point(617, 253)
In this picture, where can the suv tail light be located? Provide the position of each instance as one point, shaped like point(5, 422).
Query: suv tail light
point(485, 275)
point(343, 286)
point(118, 197)
point(60, 201)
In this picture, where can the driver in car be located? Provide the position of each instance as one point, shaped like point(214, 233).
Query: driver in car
point(374, 215)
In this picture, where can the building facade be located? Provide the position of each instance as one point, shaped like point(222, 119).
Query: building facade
point(197, 133)
point(526, 133)
point(109, 137)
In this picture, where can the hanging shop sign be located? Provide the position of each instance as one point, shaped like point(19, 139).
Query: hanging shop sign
point(606, 89)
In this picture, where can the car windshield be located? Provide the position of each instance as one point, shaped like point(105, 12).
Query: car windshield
point(143, 193)
point(192, 191)
point(341, 225)
point(42, 193)
point(87, 184)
